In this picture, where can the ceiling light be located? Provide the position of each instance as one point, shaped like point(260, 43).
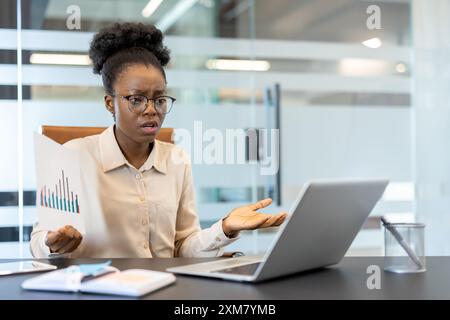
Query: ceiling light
point(372, 43)
point(237, 65)
point(400, 67)
point(174, 14)
point(67, 59)
point(363, 67)
point(151, 7)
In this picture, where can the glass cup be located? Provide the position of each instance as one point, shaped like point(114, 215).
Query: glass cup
point(404, 247)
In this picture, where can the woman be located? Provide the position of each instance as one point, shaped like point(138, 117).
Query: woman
point(147, 198)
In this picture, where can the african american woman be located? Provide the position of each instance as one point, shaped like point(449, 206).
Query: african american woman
point(147, 199)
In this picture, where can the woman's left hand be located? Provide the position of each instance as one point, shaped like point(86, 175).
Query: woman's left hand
point(246, 218)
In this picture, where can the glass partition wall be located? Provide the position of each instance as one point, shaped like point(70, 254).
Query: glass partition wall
point(315, 90)
point(10, 221)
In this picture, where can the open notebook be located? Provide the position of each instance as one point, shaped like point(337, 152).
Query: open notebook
point(132, 282)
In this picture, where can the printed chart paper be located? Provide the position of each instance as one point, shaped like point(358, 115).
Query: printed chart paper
point(59, 194)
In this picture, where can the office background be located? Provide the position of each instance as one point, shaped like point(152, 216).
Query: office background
point(355, 102)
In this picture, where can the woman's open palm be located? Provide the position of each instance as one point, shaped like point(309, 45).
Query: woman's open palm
point(247, 218)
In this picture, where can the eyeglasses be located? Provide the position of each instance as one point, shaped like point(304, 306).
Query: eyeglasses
point(138, 103)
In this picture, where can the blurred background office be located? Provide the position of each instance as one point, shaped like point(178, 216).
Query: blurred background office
point(351, 99)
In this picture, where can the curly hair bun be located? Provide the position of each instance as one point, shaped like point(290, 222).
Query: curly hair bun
point(119, 36)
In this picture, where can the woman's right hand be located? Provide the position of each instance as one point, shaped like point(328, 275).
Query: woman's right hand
point(63, 240)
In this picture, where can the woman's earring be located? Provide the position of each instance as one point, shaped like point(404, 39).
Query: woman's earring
point(114, 116)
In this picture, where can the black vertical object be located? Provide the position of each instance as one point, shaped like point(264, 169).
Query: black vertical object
point(272, 99)
point(277, 105)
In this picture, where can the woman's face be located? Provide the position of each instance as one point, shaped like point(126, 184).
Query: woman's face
point(137, 79)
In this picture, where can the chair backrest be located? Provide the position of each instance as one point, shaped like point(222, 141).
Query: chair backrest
point(62, 134)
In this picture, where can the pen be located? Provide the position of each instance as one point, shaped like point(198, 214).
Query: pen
point(402, 242)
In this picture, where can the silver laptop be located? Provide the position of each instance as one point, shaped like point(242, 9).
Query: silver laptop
point(320, 228)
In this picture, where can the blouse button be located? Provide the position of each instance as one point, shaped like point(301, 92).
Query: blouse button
point(145, 246)
point(144, 222)
point(138, 176)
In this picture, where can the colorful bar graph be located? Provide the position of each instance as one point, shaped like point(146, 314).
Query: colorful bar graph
point(64, 192)
point(61, 199)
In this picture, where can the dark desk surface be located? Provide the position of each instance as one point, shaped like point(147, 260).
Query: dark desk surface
point(347, 280)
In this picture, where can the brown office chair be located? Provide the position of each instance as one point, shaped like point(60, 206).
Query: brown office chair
point(62, 134)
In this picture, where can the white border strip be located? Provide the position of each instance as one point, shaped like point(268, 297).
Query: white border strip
point(195, 79)
point(20, 124)
point(54, 103)
point(73, 41)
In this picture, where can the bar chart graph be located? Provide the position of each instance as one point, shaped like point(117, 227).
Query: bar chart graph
point(61, 197)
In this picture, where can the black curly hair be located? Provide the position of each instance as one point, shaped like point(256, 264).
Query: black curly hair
point(122, 44)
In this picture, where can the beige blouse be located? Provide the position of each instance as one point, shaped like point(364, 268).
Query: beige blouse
point(146, 212)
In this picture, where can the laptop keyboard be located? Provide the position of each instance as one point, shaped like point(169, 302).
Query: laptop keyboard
point(247, 269)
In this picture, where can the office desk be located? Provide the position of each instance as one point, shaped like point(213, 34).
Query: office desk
point(347, 280)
